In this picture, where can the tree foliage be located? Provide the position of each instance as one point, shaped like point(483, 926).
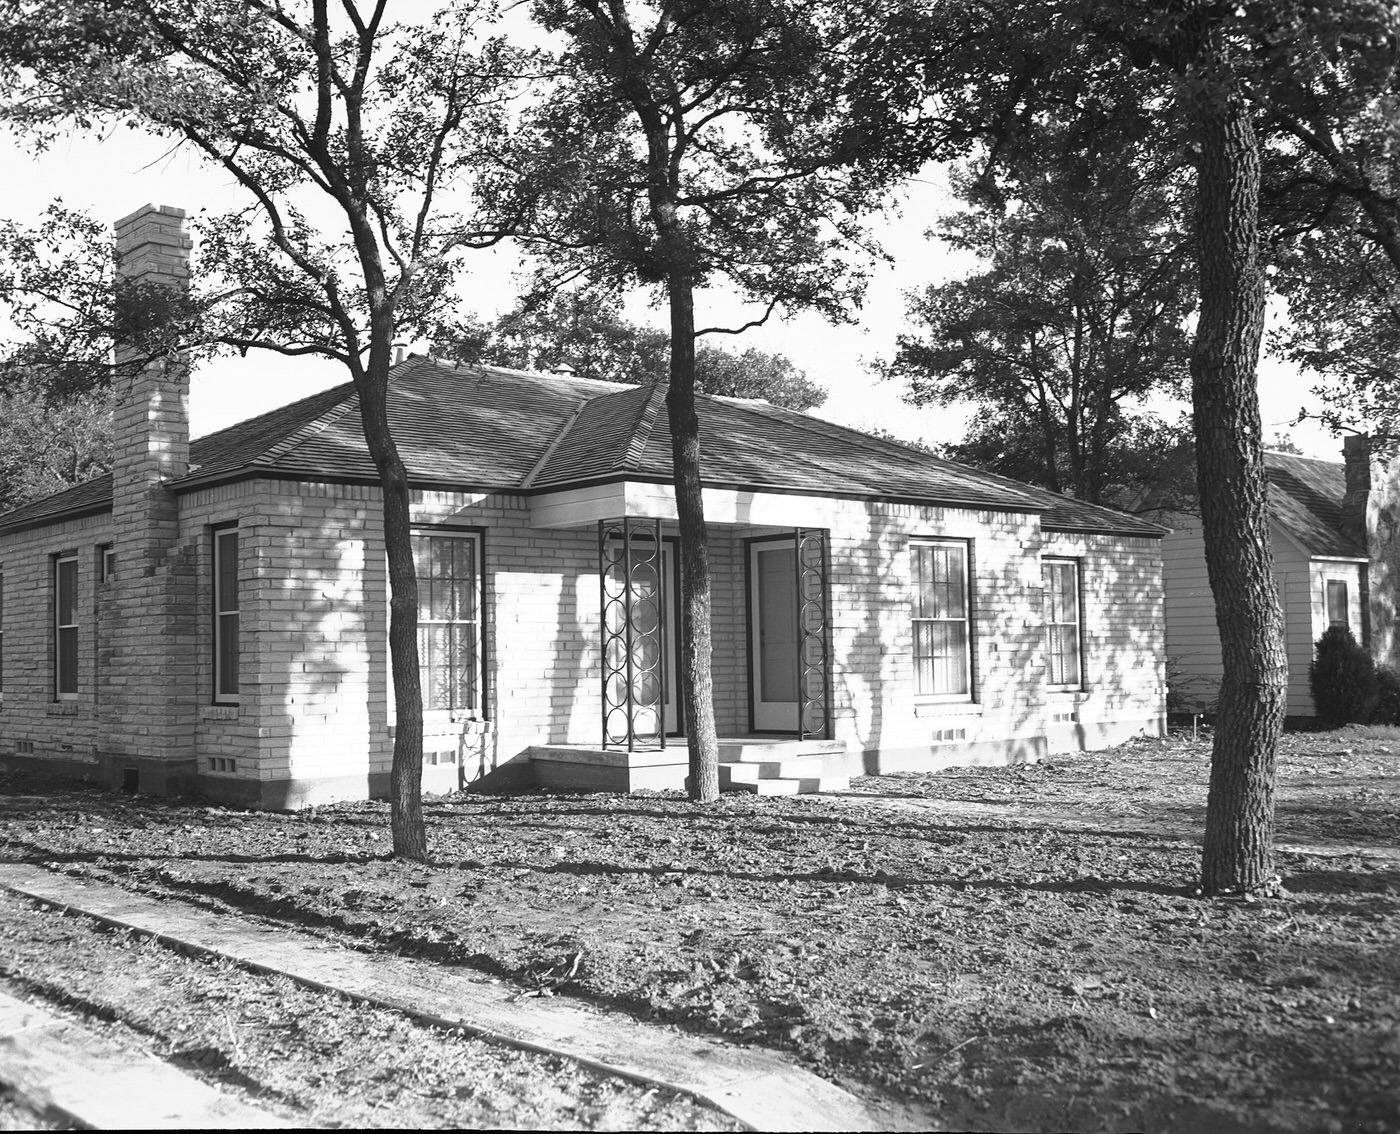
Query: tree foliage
point(588, 335)
point(346, 133)
point(50, 442)
point(1078, 315)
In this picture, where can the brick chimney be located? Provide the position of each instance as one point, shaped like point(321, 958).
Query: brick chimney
point(1356, 453)
point(148, 691)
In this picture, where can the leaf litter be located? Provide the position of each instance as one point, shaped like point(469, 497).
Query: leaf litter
point(1010, 947)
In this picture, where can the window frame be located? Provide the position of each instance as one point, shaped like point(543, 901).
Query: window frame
point(60, 560)
point(1077, 568)
point(1328, 582)
point(220, 616)
point(968, 695)
point(476, 537)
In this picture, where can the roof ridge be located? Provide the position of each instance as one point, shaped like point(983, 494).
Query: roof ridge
point(643, 426)
point(307, 430)
point(538, 467)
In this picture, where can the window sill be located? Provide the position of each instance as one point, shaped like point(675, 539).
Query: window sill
point(61, 709)
point(1076, 696)
point(931, 708)
point(218, 712)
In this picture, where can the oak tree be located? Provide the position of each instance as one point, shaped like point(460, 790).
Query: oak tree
point(348, 134)
point(690, 146)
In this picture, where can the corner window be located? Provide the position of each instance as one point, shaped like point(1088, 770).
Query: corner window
point(1337, 613)
point(1062, 627)
point(942, 657)
point(225, 615)
point(65, 626)
point(449, 622)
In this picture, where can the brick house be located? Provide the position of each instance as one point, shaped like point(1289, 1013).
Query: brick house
point(212, 615)
point(1335, 530)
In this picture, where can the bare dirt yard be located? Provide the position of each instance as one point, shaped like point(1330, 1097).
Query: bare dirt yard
point(1015, 948)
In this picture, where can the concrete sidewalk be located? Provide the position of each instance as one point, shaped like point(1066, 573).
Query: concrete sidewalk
point(758, 1087)
point(65, 1071)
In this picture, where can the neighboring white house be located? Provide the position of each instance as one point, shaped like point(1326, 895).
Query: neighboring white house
point(212, 616)
point(1329, 566)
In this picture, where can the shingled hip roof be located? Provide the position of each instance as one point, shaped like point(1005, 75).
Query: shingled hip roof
point(484, 428)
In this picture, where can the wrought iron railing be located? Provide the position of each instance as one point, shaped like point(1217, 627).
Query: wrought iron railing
point(632, 585)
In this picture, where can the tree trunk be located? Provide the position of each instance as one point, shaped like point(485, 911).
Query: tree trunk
point(1238, 855)
point(697, 684)
point(406, 771)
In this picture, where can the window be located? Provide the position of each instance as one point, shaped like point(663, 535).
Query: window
point(942, 659)
point(107, 563)
point(1337, 604)
point(65, 626)
point(226, 615)
point(449, 628)
point(1061, 577)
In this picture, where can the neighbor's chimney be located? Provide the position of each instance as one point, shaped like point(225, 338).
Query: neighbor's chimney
point(1356, 452)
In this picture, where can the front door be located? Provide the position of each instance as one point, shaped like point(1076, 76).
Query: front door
point(773, 634)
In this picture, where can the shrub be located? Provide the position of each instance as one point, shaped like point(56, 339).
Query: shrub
point(1343, 679)
point(1387, 709)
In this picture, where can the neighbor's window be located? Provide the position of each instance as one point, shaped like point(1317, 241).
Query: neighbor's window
point(226, 614)
point(65, 626)
point(449, 626)
point(1061, 577)
point(942, 659)
point(1337, 604)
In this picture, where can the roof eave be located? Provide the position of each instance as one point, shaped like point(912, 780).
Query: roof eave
point(55, 518)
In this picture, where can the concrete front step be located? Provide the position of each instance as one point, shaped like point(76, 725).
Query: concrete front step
point(743, 750)
point(760, 787)
point(805, 786)
point(792, 768)
point(782, 766)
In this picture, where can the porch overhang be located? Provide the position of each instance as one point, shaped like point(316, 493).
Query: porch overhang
point(581, 507)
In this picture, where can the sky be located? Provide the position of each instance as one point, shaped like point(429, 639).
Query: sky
point(111, 176)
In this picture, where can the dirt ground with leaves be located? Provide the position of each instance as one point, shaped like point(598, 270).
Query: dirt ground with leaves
point(1009, 947)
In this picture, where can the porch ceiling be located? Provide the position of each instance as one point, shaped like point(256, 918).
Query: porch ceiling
point(583, 507)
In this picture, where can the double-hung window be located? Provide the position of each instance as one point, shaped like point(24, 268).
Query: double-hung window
point(225, 615)
point(1062, 623)
point(448, 570)
point(1336, 596)
point(65, 626)
point(942, 633)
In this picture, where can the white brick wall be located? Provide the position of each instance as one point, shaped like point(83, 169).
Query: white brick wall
point(315, 700)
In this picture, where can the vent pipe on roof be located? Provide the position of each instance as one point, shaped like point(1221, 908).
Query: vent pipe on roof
point(400, 351)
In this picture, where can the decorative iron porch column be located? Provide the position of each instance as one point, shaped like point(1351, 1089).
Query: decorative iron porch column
point(813, 635)
point(631, 586)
